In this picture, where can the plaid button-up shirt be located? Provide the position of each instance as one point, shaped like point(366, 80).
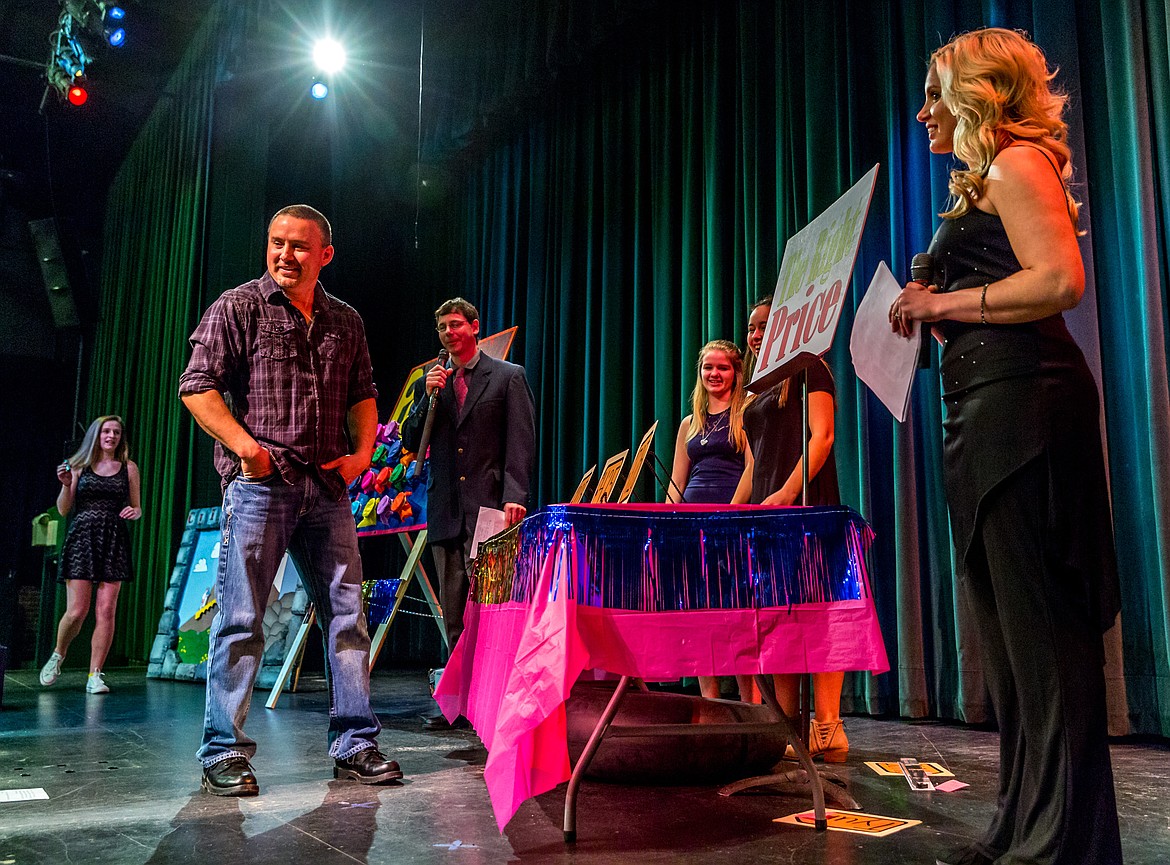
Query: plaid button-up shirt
point(289, 383)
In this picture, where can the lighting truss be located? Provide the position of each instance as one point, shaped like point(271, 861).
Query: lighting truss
point(80, 24)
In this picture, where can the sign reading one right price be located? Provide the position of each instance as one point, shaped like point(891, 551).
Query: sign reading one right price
point(806, 305)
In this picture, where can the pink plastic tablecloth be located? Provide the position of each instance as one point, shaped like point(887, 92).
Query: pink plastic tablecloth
point(511, 672)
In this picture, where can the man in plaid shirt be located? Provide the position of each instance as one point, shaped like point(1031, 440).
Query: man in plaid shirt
point(279, 371)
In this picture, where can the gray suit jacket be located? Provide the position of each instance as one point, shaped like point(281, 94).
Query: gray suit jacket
point(483, 457)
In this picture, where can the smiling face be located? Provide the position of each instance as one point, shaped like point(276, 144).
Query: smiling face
point(457, 334)
point(296, 253)
point(940, 122)
point(717, 372)
point(757, 321)
point(109, 436)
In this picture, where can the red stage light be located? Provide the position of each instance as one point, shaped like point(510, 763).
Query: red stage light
point(77, 95)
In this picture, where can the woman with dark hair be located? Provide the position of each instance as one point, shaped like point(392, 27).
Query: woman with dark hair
point(774, 475)
point(101, 485)
point(1023, 463)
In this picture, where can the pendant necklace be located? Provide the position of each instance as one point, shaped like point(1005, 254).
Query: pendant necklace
point(714, 429)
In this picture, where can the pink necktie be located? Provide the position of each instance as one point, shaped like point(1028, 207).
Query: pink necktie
point(460, 389)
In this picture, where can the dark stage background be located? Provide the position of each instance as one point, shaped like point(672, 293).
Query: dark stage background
point(618, 179)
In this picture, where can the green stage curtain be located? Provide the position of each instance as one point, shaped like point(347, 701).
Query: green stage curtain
point(151, 273)
point(1126, 78)
point(627, 187)
point(627, 172)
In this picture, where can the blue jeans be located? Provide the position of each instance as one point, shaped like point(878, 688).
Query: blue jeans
point(259, 521)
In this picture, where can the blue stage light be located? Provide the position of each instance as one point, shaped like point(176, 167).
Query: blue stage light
point(112, 29)
point(319, 90)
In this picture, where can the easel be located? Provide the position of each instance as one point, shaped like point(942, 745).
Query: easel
point(609, 475)
point(497, 345)
point(413, 569)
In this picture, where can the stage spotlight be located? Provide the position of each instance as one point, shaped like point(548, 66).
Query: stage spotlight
point(329, 55)
point(112, 28)
point(319, 90)
point(76, 94)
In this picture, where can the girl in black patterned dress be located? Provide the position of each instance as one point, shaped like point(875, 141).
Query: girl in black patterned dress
point(100, 484)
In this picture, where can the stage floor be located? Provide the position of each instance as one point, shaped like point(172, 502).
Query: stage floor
point(124, 788)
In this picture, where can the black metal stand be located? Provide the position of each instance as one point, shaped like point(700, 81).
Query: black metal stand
point(805, 714)
point(655, 464)
point(46, 614)
point(804, 437)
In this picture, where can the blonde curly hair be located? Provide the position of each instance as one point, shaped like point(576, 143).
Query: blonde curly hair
point(998, 85)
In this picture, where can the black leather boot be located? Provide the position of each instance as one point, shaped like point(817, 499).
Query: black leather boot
point(367, 767)
point(230, 777)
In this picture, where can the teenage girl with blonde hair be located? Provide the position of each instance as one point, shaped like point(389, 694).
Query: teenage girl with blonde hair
point(100, 484)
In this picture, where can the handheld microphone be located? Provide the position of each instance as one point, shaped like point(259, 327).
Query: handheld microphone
point(922, 271)
point(425, 440)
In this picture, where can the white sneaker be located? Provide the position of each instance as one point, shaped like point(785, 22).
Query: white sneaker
point(96, 684)
point(52, 669)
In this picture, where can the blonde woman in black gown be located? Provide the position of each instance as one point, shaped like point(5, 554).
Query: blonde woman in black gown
point(1023, 464)
point(101, 486)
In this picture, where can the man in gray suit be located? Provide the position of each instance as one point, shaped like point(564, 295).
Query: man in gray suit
point(481, 450)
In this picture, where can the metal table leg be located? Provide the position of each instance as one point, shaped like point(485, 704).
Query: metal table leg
point(583, 761)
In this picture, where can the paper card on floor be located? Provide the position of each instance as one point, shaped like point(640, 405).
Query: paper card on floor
point(891, 767)
point(491, 521)
point(951, 786)
point(25, 795)
point(873, 825)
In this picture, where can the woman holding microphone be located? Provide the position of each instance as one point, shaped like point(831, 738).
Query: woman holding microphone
point(1024, 471)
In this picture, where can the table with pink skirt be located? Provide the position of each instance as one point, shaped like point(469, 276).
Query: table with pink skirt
point(649, 593)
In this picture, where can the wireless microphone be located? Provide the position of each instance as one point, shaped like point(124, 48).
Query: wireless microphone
point(922, 272)
point(425, 440)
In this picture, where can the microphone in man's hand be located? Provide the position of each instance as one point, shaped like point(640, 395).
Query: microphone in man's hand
point(922, 272)
point(441, 360)
point(425, 440)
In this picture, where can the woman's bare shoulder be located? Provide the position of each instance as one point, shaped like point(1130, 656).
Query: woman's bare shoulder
point(1022, 170)
point(1022, 161)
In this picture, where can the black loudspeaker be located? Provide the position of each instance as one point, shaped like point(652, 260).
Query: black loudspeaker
point(54, 272)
